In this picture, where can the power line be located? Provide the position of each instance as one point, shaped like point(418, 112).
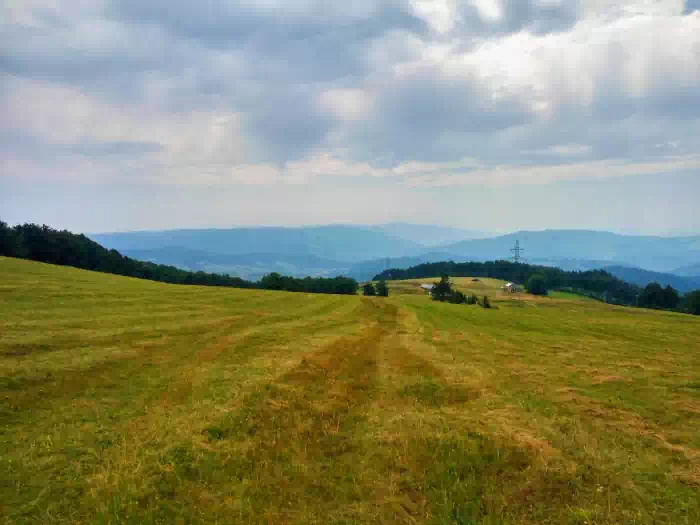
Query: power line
point(516, 252)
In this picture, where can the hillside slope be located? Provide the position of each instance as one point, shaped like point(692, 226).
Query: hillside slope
point(643, 277)
point(662, 254)
point(341, 243)
point(129, 401)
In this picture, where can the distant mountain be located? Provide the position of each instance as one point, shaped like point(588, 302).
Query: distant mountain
point(251, 266)
point(689, 270)
point(654, 253)
point(428, 234)
point(341, 243)
point(643, 277)
point(362, 251)
point(365, 270)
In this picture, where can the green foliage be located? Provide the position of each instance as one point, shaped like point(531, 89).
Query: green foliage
point(442, 291)
point(654, 296)
point(595, 283)
point(335, 285)
point(368, 289)
point(457, 297)
point(536, 284)
point(45, 244)
point(382, 289)
point(691, 303)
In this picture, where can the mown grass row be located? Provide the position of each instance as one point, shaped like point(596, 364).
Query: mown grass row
point(125, 401)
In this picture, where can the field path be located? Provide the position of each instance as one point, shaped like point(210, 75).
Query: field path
point(126, 401)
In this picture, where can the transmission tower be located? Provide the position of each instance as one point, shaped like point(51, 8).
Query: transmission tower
point(516, 252)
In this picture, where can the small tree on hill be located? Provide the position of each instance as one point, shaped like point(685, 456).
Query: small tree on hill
point(691, 303)
point(442, 291)
point(382, 289)
point(458, 297)
point(654, 296)
point(536, 285)
point(368, 289)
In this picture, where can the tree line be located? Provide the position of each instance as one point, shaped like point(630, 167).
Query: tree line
point(48, 245)
point(597, 284)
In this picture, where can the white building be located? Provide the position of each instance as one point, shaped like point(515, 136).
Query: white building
point(511, 287)
point(427, 287)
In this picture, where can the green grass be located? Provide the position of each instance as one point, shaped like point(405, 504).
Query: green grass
point(127, 401)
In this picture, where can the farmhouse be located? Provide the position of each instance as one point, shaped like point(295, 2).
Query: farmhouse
point(511, 287)
point(427, 287)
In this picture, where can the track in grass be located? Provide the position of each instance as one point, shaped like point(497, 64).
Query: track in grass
point(127, 401)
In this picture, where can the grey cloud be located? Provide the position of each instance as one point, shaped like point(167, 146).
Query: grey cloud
point(521, 15)
point(113, 148)
point(20, 143)
point(271, 65)
point(431, 117)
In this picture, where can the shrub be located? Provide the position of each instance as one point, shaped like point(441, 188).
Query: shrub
point(536, 285)
point(692, 303)
point(485, 302)
point(368, 289)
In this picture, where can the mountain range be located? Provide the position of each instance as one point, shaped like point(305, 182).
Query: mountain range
point(364, 251)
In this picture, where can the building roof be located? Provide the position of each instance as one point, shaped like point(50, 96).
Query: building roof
point(427, 286)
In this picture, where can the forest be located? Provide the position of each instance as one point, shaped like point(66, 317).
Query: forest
point(597, 284)
point(48, 245)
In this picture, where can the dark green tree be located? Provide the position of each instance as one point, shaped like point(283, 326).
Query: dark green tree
point(442, 291)
point(691, 303)
point(671, 298)
point(457, 297)
point(8, 240)
point(382, 289)
point(368, 289)
point(654, 296)
point(536, 285)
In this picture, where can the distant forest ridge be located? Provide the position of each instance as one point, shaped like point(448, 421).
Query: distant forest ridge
point(593, 283)
point(598, 284)
point(45, 244)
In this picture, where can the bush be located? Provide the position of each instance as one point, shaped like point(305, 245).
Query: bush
point(368, 289)
point(458, 297)
point(691, 303)
point(536, 285)
point(442, 291)
point(382, 289)
point(485, 302)
point(654, 296)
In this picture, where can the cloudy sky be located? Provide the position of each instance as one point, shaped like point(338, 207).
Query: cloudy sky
point(487, 114)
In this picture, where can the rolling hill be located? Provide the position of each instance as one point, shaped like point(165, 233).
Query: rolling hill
point(662, 254)
point(131, 401)
point(643, 277)
point(340, 243)
point(690, 270)
point(250, 266)
point(429, 235)
point(361, 251)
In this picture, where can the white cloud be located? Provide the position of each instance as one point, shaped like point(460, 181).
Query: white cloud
point(544, 174)
point(346, 104)
point(427, 93)
point(490, 10)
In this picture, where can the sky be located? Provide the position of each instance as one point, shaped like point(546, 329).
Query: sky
point(494, 115)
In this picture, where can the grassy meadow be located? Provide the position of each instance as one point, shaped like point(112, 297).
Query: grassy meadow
point(129, 401)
